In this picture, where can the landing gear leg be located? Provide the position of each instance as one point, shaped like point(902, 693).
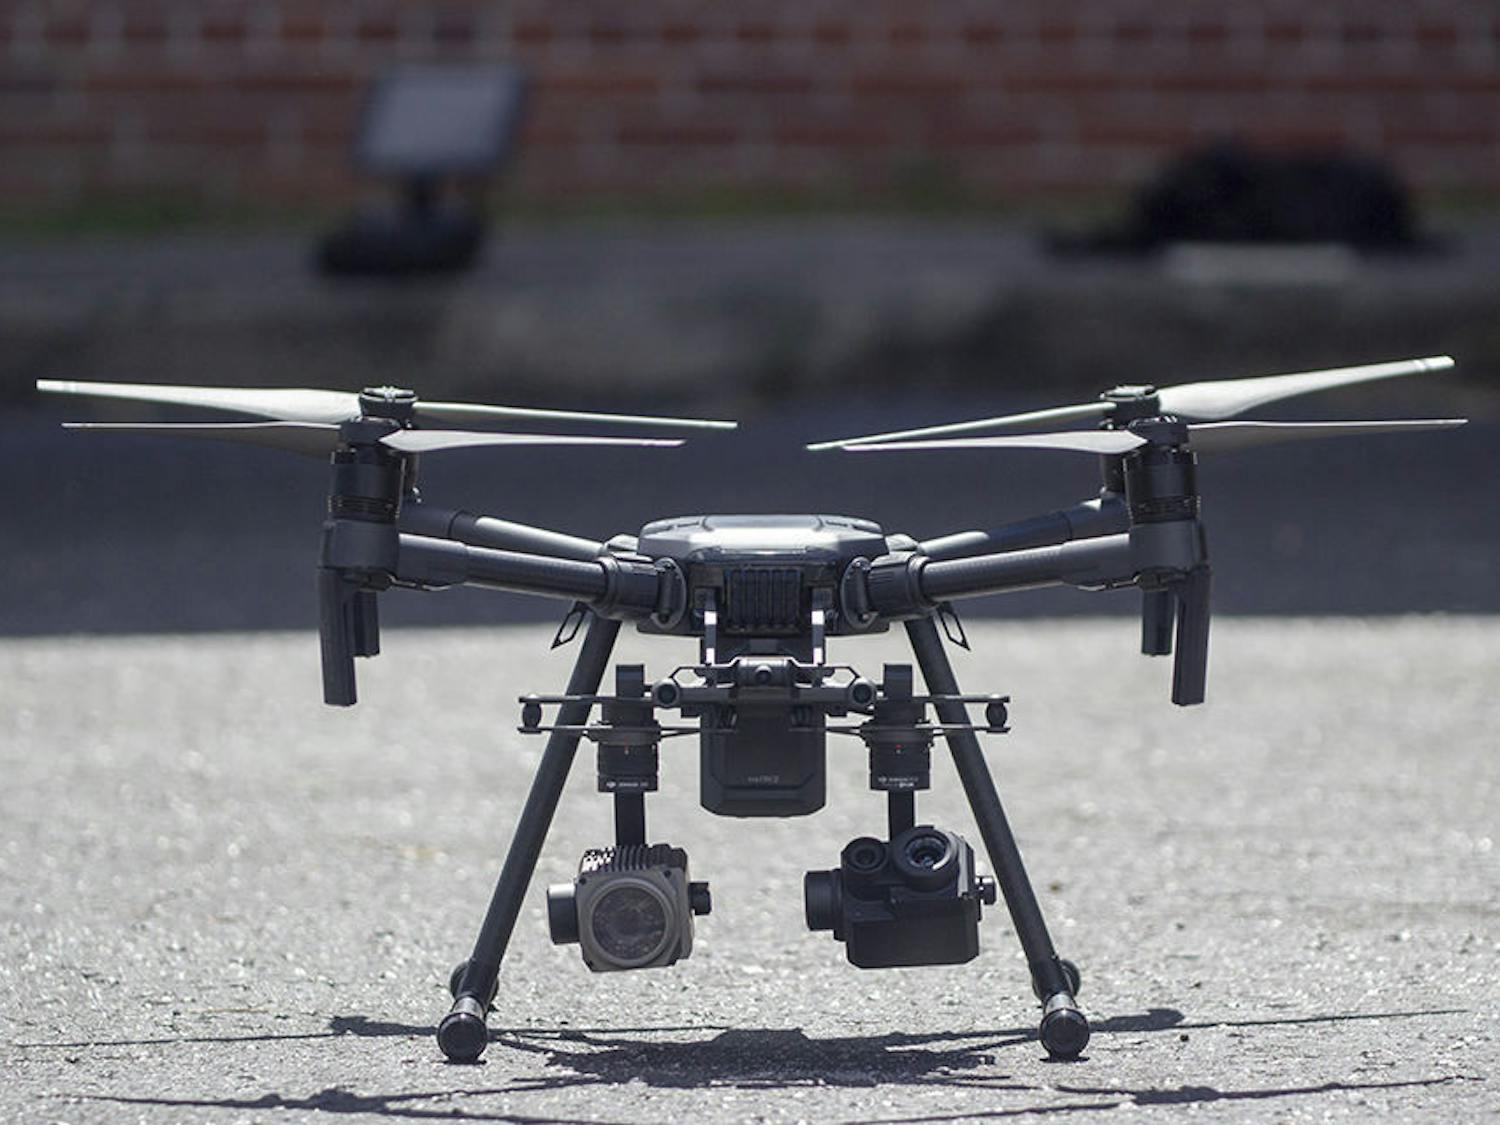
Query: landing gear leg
point(463, 1034)
point(1064, 1030)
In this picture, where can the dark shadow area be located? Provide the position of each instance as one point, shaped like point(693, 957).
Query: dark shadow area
point(730, 1042)
point(1182, 1095)
point(787, 1057)
point(1231, 192)
point(761, 1059)
point(337, 1100)
point(359, 1026)
point(1185, 1095)
point(767, 1058)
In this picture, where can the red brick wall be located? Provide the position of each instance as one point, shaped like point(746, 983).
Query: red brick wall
point(238, 100)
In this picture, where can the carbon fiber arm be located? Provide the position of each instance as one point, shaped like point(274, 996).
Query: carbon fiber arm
point(1106, 514)
point(489, 531)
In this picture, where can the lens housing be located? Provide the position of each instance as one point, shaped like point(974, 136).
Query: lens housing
point(631, 907)
point(629, 921)
point(913, 901)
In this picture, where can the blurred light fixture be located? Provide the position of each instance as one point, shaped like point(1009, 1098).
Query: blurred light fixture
point(428, 129)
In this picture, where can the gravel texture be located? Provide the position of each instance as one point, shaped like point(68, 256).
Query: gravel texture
point(224, 902)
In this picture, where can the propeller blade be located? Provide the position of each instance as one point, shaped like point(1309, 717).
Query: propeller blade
point(290, 405)
point(1214, 437)
point(333, 407)
point(314, 439)
point(1223, 437)
point(1227, 397)
point(1209, 401)
point(432, 441)
point(469, 412)
point(317, 439)
point(1077, 441)
point(1054, 414)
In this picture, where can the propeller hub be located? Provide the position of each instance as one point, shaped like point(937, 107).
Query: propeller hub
point(1131, 401)
point(397, 403)
point(367, 430)
point(1160, 430)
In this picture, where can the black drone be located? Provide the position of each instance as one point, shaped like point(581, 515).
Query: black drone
point(764, 594)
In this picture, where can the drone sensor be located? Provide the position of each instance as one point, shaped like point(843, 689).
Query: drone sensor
point(631, 907)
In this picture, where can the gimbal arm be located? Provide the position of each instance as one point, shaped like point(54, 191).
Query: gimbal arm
point(1106, 514)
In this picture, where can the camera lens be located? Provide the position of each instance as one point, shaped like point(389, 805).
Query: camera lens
point(864, 856)
point(926, 851)
point(925, 857)
point(630, 923)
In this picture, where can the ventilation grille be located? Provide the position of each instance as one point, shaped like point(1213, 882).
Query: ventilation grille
point(632, 857)
point(762, 599)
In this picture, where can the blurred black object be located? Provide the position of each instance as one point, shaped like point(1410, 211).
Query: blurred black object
point(427, 128)
point(1230, 192)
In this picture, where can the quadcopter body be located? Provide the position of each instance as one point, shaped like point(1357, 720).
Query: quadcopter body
point(764, 595)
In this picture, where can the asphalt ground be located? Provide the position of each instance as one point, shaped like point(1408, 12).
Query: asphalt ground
point(225, 902)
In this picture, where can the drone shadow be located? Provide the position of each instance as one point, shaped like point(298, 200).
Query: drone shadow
point(774, 1058)
point(1123, 1097)
point(531, 1039)
point(769, 1059)
point(360, 1026)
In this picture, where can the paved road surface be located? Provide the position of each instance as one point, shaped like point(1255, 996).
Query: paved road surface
point(223, 902)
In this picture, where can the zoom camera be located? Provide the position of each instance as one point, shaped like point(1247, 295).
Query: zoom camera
point(913, 901)
point(631, 907)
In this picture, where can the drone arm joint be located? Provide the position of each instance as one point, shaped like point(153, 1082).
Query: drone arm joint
point(1105, 514)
